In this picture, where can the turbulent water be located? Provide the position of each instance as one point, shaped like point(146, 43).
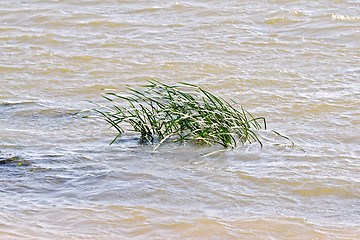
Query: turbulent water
point(294, 62)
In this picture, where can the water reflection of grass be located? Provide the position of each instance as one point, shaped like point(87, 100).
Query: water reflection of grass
point(184, 112)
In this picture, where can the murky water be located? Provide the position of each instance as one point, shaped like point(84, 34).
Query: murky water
point(294, 62)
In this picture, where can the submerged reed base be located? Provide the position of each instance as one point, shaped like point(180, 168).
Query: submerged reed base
point(184, 112)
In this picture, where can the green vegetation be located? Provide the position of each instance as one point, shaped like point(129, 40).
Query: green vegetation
point(184, 112)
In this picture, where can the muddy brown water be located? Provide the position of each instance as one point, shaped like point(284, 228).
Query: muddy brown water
point(294, 62)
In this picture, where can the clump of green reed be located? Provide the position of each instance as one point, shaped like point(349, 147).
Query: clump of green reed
point(184, 112)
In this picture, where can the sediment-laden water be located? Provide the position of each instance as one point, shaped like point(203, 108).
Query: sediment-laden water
point(294, 62)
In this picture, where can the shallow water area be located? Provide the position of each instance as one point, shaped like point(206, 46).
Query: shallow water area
point(295, 63)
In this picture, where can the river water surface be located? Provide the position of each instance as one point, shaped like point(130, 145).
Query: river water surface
point(294, 62)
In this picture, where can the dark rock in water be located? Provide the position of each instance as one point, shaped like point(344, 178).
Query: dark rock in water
point(16, 160)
